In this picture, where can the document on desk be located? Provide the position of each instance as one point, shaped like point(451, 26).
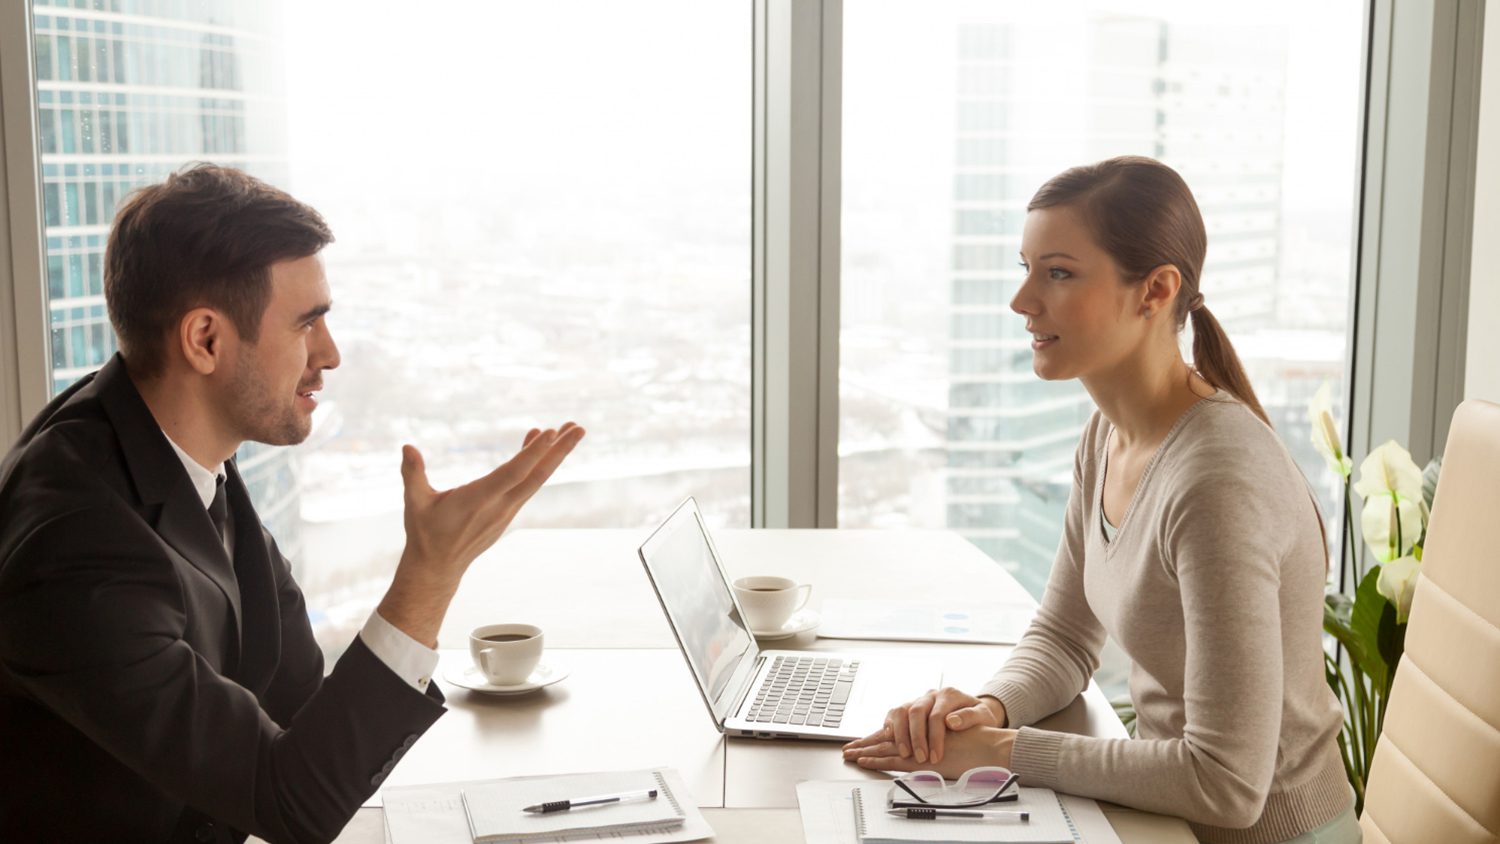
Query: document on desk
point(829, 815)
point(435, 814)
point(924, 621)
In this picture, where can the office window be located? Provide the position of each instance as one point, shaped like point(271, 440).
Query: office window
point(536, 220)
point(945, 140)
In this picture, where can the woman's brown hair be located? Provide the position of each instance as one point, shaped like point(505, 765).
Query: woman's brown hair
point(1143, 214)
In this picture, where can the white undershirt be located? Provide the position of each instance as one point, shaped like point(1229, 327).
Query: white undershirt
point(412, 661)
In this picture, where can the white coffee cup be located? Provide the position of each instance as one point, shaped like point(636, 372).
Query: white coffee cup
point(769, 601)
point(506, 654)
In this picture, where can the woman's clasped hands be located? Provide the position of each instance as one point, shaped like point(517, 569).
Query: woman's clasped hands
point(946, 730)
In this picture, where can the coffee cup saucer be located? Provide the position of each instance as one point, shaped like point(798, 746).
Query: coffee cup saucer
point(800, 622)
point(471, 678)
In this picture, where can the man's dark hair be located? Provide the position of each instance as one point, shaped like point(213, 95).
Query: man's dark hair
point(205, 237)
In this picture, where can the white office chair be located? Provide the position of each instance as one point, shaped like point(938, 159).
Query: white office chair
point(1436, 772)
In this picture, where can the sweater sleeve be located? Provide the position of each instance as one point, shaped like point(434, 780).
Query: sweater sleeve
point(1059, 652)
point(1220, 539)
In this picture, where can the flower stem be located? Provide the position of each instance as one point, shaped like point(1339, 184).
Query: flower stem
point(1357, 562)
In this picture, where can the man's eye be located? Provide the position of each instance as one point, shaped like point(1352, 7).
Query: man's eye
point(1058, 273)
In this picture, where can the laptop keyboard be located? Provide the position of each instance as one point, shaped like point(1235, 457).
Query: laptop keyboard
point(807, 691)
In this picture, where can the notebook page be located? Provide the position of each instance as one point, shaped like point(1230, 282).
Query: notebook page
point(494, 808)
point(1048, 824)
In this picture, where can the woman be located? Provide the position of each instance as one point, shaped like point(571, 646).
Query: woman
point(1191, 537)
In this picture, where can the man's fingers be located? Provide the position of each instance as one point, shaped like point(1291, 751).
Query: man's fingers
point(553, 457)
point(531, 435)
point(505, 476)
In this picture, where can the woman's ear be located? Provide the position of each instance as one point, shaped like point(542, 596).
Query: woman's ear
point(1159, 290)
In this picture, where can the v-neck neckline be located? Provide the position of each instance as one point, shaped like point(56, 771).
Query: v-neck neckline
point(1135, 496)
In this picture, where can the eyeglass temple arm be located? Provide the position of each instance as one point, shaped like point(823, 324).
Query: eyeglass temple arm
point(906, 788)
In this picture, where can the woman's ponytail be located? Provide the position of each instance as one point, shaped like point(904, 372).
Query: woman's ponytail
point(1215, 360)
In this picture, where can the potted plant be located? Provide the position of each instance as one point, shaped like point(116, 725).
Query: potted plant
point(1370, 625)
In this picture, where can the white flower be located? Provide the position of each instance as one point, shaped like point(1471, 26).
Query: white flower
point(1391, 485)
point(1389, 468)
point(1398, 582)
point(1378, 524)
point(1325, 432)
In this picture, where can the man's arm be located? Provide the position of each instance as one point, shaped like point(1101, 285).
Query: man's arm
point(446, 530)
point(96, 629)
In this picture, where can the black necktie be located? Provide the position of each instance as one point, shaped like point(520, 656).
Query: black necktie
point(218, 509)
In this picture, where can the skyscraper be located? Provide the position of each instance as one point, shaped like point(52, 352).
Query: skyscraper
point(129, 91)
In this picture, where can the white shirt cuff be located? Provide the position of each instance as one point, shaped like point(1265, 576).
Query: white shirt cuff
point(412, 661)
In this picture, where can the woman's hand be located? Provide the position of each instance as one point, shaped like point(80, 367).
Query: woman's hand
point(918, 729)
point(971, 748)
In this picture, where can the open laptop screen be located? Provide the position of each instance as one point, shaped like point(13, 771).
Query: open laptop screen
point(693, 591)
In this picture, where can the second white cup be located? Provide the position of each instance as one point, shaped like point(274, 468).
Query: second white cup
point(506, 654)
point(769, 601)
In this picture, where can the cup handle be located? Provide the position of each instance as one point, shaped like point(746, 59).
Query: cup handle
point(484, 659)
point(806, 590)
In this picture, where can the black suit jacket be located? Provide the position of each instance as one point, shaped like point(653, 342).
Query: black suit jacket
point(150, 690)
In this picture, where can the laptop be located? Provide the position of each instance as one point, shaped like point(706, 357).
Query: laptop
point(821, 695)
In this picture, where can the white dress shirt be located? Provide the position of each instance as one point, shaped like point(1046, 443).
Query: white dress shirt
point(412, 661)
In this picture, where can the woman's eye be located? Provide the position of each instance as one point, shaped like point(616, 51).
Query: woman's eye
point(1058, 273)
point(1025, 266)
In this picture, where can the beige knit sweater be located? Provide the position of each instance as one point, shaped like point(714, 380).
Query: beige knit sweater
point(1214, 587)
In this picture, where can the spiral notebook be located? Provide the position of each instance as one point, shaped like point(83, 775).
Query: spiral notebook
point(1049, 824)
point(495, 808)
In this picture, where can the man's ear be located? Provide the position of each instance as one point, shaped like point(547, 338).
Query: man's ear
point(201, 336)
point(1160, 288)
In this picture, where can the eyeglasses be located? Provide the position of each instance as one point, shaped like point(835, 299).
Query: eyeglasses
point(976, 787)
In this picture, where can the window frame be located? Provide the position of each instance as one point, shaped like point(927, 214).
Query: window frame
point(1411, 262)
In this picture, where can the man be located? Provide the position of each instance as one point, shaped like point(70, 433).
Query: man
point(158, 675)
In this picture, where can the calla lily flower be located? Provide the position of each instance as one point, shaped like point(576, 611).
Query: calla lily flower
point(1378, 522)
point(1393, 516)
point(1325, 431)
point(1398, 582)
point(1390, 469)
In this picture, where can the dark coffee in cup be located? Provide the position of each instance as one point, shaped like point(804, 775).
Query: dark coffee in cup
point(505, 637)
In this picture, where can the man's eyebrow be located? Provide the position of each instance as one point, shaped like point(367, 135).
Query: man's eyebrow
point(315, 313)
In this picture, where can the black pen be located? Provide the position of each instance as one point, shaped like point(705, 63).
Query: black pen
point(934, 814)
point(600, 800)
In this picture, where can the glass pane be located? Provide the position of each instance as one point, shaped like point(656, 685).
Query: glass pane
point(535, 221)
point(943, 423)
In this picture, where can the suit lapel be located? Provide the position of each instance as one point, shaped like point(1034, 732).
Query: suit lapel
point(160, 479)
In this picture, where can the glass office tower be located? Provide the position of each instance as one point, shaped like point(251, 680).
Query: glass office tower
point(129, 91)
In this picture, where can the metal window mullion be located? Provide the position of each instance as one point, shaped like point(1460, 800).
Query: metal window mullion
point(1416, 215)
point(25, 370)
point(795, 175)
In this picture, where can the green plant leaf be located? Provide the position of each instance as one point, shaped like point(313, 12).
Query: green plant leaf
point(1125, 710)
point(1337, 622)
point(1364, 622)
point(1392, 635)
point(1430, 480)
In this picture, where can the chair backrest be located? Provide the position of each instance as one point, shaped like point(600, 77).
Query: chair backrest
point(1436, 771)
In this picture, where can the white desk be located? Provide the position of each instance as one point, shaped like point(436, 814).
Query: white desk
point(587, 590)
